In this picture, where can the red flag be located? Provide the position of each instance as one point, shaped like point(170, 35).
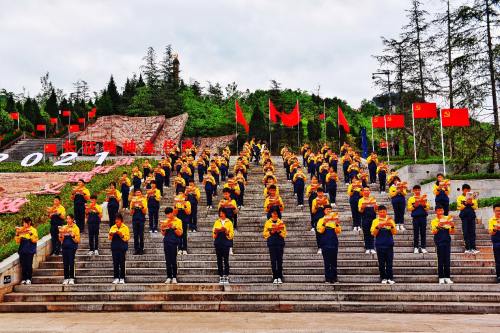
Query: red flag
point(53, 120)
point(322, 115)
point(343, 121)
point(240, 117)
point(293, 118)
point(40, 127)
point(14, 115)
point(395, 121)
point(273, 112)
point(74, 128)
point(92, 113)
point(66, 113)
point(455, 117)
point(81, 120)
point(378, 122)
point(51, 149)
point(424, 110)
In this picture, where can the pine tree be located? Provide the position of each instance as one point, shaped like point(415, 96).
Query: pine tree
point(28, 110)
point(11, 104)
point(105, 107)
point(51, 105)
point(37, 117)
point(258, 124)
point(151, 73)
point(140, 82)
point(113, 95)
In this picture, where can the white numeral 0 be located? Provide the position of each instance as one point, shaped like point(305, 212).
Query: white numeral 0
point(67, 157)
point(38, 158)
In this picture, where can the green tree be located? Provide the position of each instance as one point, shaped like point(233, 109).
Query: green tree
point(51, 106)
point(6, 122)
point(11, 104)
point(258, 124)
point(113, 95)
point(104, 108)
point(141, 104)
point(37, 118)
point(28, 109)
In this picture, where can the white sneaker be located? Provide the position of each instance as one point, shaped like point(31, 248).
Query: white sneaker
point(441, 281)
point(467, 252)
point(295, 194)
point(168, 281)
point(384, 281)
point(96, 252)
point(174, 281)
point(279, 281)
point(116, 281)
point(367, 251)
point(275, 281)
point(402, 228)
point(221, 280)
point(475, 251)
point(65, 282)
point(320, 252)
point(415, 250)
point(390, 281)
point(122, 281)
point(226, 280)
point(372, 251)
point(23, 282)
point(231, 251)
point(397, 227)
point(90, 253)
point(150, 231)
point(71, 281)
point(448, 280)
point(184, 252)
point(424, 251)
point(334, 205)
point(28, 282)
point(179, 252)
point(156, 231)
point(193, 230)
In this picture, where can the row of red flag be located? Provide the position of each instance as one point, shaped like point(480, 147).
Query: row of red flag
point(72, 128)
point(289, 120)
point(64, 113)
point(449, 117)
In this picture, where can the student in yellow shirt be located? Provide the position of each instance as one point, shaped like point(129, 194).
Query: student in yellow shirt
point(171, 230)
point(57, 215)
point(467, 214)
point(494, 228)
point(93, 213)
point(273, 201)
point(26, 237)
point(384, 228)
point(69, 240)
point(138, 208)
point(442, 230)
point(153, 196)
point(223, 235)
point(329, 227)
point(80, 196)
point(113, 199)
point(119, 236)
point(419, 215)
point(275, 233)
point(442, 192)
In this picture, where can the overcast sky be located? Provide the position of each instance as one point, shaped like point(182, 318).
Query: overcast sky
point(298, 43)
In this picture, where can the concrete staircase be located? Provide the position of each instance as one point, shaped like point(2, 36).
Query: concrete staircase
point(24, 147)
point(416, 289)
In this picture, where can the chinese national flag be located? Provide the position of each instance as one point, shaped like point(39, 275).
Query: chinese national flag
point(14, 115)
point(40, 127)
point(455, 117)
point(322, 116)
point(343, 121)
point(53, 120)
point(378, 122)
point(273, 112)
point(66, 113)
point(51, 149)
point(92, 113)
point(395, 121)
point(74, 128)
point(81, 120)
point(424, 110)
point(240, 117)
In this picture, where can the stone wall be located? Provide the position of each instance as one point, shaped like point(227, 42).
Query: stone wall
point(214, 143)
point(139, 129)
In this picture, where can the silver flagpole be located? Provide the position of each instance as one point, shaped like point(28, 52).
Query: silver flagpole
point(373, 141)
point(324, 117)
point(236, 118)
point(442, 140)
point(414, 134)
point(386, 142)
point(298, 126)
point(270, 128)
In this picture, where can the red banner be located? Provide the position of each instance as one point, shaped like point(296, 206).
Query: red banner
point(395, 121)
point(293, 118)
point(424, 110)
point(322, 116)
point(40, 127)
point(240, 117)
point(378, 122)
point(343, 121)
point(14, 115)
point(455, 117)
point(273, 112)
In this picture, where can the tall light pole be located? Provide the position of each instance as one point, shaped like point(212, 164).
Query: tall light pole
point(388, 73)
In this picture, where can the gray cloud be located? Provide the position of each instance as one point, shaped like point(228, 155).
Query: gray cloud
point(298, 43)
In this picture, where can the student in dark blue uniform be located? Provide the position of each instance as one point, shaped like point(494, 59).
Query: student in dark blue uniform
point(467, 208)
point(93, 213)
point(275, 233)
point(367, 207)
point(494, 230)
point(193, 196)
point(182, 209)
point(80, 196)
point(125, 189)
point(57, 215)
point(69, 237)
point(299, 179)
point(442, 191)
point(383, 228)
point(153, 197)
point(328, 227)
point(26, 237)
point(442, 227)
point(223, 235)
point(139, 209)
point(171, 230)
point(119, 236)
point(113, 199)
